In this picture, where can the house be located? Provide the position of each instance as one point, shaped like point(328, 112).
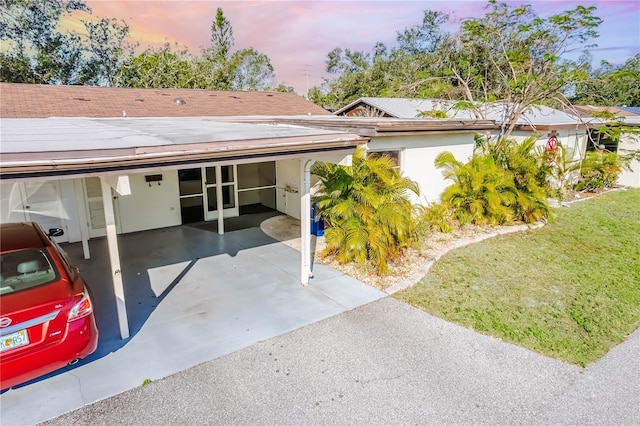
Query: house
point(243, 187)
point(549, 126)
point(540, 121)
point(633, 110)
point(102, 161)
point(412, 143)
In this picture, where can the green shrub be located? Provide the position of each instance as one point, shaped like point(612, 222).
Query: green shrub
point(505, 180)
point(482, 192)
point(368, 216)
point(530, 170)
point(438, 216)
point(600, 170)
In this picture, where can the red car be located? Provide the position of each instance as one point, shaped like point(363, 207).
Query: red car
point(46, 313)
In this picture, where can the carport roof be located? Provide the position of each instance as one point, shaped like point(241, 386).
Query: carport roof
point(376, 126)
point(55, 146)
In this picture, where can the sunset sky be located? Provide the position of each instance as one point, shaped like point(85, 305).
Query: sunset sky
point(297, 35)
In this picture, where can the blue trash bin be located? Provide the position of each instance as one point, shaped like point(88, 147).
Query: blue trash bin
point(317, 224)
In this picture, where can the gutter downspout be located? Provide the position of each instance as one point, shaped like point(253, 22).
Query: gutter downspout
point(305, 224)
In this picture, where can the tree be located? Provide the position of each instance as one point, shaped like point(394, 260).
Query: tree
point(283, 87)
point(38, 52)
point(107, 48)
point(611, 86)
point(365, 207)
point(245, 69)
point(482, 192)
point(17, 68)
point(357, 74)
point(217, 68)
point(512, 58)
point(221, 37)
point(600, 170)
point(160, 68)
point(508, 60)
point(252, 70)
point(503, 181)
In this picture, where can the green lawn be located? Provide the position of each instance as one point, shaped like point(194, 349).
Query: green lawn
point(570, 290)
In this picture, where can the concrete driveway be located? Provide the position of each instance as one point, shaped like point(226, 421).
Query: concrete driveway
point(192, 296)
point(384, 363)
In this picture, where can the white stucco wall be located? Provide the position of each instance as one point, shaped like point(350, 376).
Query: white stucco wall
point(573, 140)
point(150, 207)
point(288, 187)
point(629, 143)
point(418, 153)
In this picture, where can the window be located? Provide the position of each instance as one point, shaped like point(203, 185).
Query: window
point(24, 269)
point(394, 155)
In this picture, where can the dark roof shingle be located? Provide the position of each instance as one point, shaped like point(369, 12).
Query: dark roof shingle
point(41, 101)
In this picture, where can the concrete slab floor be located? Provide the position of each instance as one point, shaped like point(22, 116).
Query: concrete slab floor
point(192, 295)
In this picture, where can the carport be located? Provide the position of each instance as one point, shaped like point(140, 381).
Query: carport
point(196, 295)
point(112, 149)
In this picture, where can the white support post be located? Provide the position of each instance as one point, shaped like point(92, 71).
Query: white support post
point(219, 200)
point(85, 248)
point(83, 220)
point(114, 258)
point(305, 223)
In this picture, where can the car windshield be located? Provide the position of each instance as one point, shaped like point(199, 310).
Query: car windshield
point(21, 270)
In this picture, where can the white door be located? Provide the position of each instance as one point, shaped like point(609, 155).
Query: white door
point(95, 208)
point(39, 202)
point(12, 202)
point(44, 204)
point(226, 185)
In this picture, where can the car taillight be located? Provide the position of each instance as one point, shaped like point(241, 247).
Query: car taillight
point(81, 309)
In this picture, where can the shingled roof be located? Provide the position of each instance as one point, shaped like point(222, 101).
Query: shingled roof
point(41, 101)
point(590, 110)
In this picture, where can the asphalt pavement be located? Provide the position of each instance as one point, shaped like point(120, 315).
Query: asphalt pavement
point(383, 363)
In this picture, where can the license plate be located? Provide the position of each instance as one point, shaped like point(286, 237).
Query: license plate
point(14, 340)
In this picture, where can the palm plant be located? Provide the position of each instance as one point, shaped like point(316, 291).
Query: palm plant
point(481, 193)
point(438, 216)
point(368, 216)
point(600, 170)
point(529, 170)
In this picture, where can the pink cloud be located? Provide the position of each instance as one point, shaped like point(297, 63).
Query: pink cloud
point(298, 33)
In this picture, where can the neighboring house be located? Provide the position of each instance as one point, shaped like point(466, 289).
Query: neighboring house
point(628, 142)
point(101, 161)
point(420, 149)
point(540, 121)
point(633, 110)
point(412, 143)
